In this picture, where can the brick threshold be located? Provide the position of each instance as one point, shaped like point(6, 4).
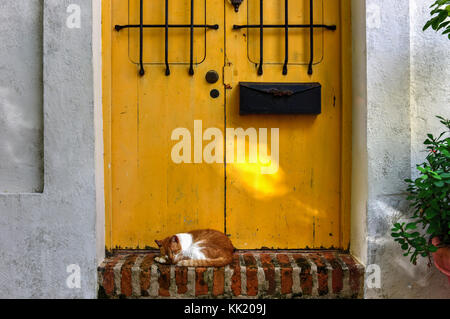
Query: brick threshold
point(252, 274)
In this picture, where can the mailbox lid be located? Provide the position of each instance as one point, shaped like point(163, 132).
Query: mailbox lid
point(280, 98)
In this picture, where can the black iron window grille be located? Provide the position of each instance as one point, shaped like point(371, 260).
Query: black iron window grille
point(311, 26)
point(166, 26)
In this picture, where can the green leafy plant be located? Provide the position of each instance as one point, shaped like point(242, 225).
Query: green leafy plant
point(440, 17)
point(430, 200)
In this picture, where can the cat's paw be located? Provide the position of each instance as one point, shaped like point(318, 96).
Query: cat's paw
point(160, 260)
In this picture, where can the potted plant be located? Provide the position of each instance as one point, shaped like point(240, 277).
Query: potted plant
point(430, 201)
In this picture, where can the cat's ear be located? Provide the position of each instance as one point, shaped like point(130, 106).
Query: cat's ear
point(174, 239)
point(159, 243)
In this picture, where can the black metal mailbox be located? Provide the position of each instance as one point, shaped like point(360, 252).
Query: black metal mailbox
point(280, 98)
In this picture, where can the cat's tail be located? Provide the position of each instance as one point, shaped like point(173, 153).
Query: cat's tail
point(217, 262)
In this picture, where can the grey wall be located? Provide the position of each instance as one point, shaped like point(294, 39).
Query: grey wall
point(358, 231)
point(41, 234)
point(21, 138)
point(430, 78)
point(400, 75)
point(405, 77)
point(388, 131)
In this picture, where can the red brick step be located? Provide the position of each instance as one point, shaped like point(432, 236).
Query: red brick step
point(253, 274)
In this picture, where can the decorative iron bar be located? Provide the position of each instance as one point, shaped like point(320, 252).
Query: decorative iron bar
point(141, 38)
point(311, 26)
point(311, 37)
point(191, 53)
point(261, 37)
point(286, 37)
point(166, 37)
point(166, 27)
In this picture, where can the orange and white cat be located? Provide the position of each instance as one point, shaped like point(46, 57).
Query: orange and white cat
point(207, 248)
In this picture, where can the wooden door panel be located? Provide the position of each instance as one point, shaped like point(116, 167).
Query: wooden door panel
point(151, 196)
point(300, 205)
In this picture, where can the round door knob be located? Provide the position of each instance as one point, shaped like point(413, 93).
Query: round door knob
point(214, 93)
point(212, 77)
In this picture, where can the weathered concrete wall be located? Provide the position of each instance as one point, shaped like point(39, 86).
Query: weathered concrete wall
point(41, 234)
point(388, 130)
point(430, 96)
point(358, 231)
point(401, 78)
point(407, 75)
point(430, 79)
point(21, 139)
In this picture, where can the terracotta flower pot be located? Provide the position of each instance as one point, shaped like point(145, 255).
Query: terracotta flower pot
point(442, 258)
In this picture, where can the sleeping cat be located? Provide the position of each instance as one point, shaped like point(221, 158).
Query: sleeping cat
point(207, 248)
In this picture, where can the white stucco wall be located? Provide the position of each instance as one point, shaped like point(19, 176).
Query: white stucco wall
point(358, 231)
point(42, 234)
point(430, 96)
point(21, 112)
point(430, 79)
point(406, 76)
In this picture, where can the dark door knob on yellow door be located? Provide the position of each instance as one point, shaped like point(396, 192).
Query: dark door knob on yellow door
point(212, 77)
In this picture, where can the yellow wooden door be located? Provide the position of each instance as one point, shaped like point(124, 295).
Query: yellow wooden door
point(150, 195)
point(303, 204)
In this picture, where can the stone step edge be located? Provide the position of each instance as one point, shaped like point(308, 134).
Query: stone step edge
point(252, 275)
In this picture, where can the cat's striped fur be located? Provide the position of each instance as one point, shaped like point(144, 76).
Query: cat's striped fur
point(198, 248)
